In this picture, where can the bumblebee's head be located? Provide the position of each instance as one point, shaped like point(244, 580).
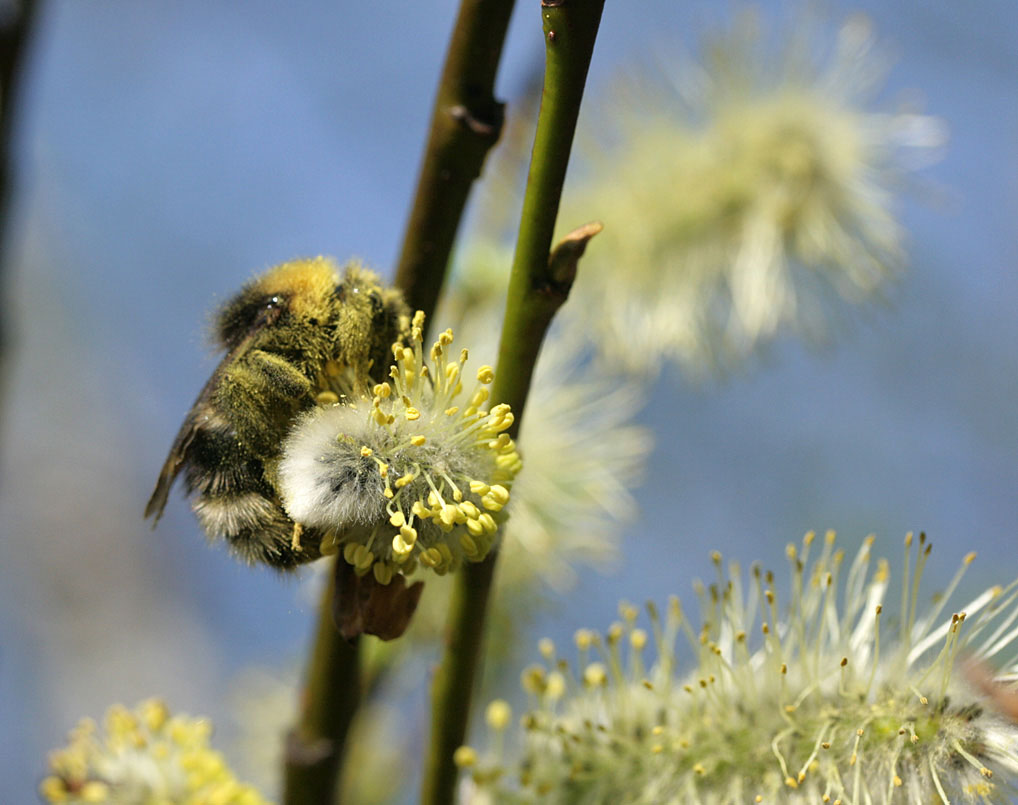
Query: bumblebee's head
point(300, 289)
point(369, 318)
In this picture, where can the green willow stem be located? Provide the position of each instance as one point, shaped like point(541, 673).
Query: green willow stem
point(537, 288)
point(465, 124)
point(315, 747)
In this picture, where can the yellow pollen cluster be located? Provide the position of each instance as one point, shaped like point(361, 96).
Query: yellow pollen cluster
point(145, 755)
point(446, 462)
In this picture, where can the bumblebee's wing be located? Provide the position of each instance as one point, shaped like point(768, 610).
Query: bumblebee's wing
point(200, 412)
point(178, 456)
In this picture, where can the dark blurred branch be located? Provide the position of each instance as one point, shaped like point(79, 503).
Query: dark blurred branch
point(539, 284)
point(315, 747)
point(15, 30)
point(465, 123)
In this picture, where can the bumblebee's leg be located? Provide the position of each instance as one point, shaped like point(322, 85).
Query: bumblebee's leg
point(262, 392)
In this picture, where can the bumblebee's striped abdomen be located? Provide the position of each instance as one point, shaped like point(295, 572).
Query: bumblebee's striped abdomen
point(256, 528)
point(218, 463)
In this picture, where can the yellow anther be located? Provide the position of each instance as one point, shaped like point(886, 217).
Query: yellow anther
point(468, 545)
point(500, 443)
point(366, 451)
point(502, 422)
point(498, 714)
point(464, 757)
point(452, 411)
point(638, 639)
point(326, 398)
point(485, 374)
point(555, 686)
point(94, 791)
point(479, 398)
point(418, 441)
point(412, 414)
point(595, 675)
point(382, 390)
point(154, 712)
point(400, 547)
point(491, 504)
point(507, 460)
point(365, 558)
point(383, 572)
point(499, 493)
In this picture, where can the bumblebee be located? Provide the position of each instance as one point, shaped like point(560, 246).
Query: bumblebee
point(285, 334)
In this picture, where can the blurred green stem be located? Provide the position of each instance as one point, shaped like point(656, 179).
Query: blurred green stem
point(537, 288)
point(466, 122)
point(315, 747)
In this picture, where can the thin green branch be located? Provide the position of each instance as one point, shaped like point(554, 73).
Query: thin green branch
point(539, 284)
point(465, 123)
point(314, 749)
point(535, 293)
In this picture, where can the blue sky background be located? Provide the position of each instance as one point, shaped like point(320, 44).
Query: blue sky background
point(168, 151)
